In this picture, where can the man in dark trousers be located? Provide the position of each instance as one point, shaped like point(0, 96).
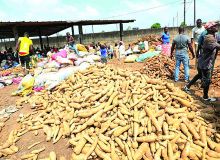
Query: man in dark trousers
point(24, 47)
point(196, 32)
point(181, 43)
point(206, 54)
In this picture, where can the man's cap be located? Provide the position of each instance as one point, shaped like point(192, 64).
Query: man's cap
point(210, 24)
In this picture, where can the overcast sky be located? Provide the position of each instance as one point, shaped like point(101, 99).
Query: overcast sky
point(146, 12)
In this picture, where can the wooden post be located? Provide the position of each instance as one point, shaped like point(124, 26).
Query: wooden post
point(121, 31)
point(194, 12)
point(47, 41)
point(40, 37)
point(93, 37)
point(80, 34)
point(72, 29)
point(15, 32)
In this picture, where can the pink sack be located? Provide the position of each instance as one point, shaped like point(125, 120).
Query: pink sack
point(72, 56)
point(62, 54)
point(64, 60)
point(38, 89)
point(16, 80)
point(166, 49)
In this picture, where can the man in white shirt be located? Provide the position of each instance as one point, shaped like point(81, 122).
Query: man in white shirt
point(196, 32)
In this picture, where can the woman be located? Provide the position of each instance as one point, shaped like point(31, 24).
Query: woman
point(165, 42)
point(116, 52)
point(165, 36)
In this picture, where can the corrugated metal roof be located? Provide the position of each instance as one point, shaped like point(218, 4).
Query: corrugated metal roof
point(47, 27)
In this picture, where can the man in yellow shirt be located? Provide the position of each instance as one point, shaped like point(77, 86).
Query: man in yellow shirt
point(24, 46)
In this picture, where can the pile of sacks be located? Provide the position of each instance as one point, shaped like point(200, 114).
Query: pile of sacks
point(54, 69)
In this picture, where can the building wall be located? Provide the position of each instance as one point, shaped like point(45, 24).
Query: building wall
point(109, 37)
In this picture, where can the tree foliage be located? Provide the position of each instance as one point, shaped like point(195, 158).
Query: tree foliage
point(183, 24)
point(156, 26)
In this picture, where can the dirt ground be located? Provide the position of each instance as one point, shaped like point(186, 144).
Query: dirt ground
point(61, 147)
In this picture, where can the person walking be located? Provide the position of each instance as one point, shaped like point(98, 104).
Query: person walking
point(24, 46)
point(196, 32)
point(206, 54)
point(181, 43)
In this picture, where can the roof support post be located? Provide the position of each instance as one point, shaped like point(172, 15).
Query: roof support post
point(40, 37)
point(121, 31)
point(5, 44)
point(72, 29)
point(48, 41)
point(15, 32)
point(93, 37)
point(80, 34)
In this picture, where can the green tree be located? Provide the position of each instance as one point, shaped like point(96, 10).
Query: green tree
point(183, 24)
point(156, 26)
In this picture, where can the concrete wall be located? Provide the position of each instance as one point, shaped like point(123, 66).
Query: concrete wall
point(109, 37)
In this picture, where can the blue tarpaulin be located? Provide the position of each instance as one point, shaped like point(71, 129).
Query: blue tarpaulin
point(146, 55)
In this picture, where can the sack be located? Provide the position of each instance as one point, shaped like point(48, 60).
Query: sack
point(17, 80)
point(41, 64)
point(129, 51)
point(94, 57)
point(89, 60)
point(37, 71)
point(131, 59)
point(149, 54)
point(158, 48)
point(25, 86)
point(79, 61)
point(59, 76)
point(136, 49)
point(82, 53)
point(52, 64)
point(146, 45)
point(63, 60)
point(62, 53)
point(81, 47)
point(84, 66)
point(72, 56)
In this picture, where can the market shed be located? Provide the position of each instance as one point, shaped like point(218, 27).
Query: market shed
point(47, 28)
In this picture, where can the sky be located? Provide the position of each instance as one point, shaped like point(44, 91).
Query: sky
point(145, 12)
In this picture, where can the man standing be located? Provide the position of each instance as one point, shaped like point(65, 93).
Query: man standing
point(71, 42)
point(206, 54)
point(181, 43)
point(24, 46)
point(196, 32)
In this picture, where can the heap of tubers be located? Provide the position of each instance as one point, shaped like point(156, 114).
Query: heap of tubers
point(115, 114)
point(216, 77)
point(160, 67)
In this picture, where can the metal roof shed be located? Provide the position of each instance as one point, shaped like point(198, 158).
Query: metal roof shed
point(47, 28)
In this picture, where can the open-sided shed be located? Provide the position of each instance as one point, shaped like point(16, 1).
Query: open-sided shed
point(47, 28)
